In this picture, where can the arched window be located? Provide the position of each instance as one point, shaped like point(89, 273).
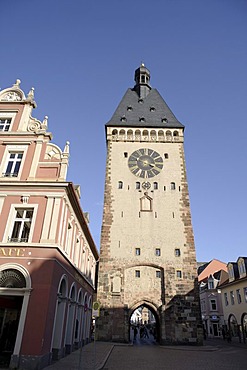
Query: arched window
point(145, 135)
point(168, 135)
point(130, 135)
point(166, 155)
point(138, 185)
point(120, 184)
point(161, 135)
point(153, 135)
point(173, 186)
point(155, 185)
point(122, 134)
point(175, 133)
point(137, 135)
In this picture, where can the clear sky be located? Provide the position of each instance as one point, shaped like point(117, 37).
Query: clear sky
point(80, 56)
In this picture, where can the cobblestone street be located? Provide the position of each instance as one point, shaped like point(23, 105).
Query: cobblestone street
point(214, 355)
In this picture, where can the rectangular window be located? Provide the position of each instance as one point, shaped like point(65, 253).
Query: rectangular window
point(138, 273)
point(226, 299)
point(158, 274)
point(22, 225)
point(13, 164)
point(179, 274)
point(213, 304)
point(138, 251)
point(157, 251)
point(211, 284)
point(5, 124)
point(232, 297)
point(245, 294)
point(239, 298)
point(177, 252)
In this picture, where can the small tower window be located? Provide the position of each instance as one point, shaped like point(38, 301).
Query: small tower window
point(179, 274)
point(125, 155)
point(143, 79)
point(173, 186)
point(177, 252)
point(138, 185)
point(157, 252)
point(166, 155)
point(120, 184)
point(155, 185)
point(138, 273)
point(158, 274)
point(138, 251)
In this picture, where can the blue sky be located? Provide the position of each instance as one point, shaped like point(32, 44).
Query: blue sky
point(80, 56)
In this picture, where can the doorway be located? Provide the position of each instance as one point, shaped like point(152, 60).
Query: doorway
point(144, 326)
point(215, 329)
point(10, 310)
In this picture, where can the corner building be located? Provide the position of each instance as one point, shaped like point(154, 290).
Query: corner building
point(147, 254)
point(47, 254)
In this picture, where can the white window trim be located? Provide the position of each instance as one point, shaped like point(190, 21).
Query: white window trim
point(11, 220)
point(8, 150)
point(8, 115)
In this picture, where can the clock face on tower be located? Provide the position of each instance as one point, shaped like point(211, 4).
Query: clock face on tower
point(145, 163)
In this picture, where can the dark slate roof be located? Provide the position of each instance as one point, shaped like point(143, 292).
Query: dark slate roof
point(150, 111)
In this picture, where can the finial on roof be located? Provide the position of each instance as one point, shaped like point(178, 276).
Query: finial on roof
point(66, 148)
point(17, 83)
point(31, 93)
point(142, 64)
point(45, 121)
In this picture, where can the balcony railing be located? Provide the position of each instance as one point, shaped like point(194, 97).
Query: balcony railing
point(8, 174)
point(17, 240)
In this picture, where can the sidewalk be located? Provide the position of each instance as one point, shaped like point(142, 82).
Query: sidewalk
point(92, 356)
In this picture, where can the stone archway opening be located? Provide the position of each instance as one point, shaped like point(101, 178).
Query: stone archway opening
point(144, 325)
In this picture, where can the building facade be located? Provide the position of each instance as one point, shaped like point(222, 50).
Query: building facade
point(47, 254)
point(147, 254)
point(234, 299)
point(210, 275)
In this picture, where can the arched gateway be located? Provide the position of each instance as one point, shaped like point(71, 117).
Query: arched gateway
point(147, 253)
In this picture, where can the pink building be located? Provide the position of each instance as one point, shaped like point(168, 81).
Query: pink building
point(210, 275)
point(47, 255)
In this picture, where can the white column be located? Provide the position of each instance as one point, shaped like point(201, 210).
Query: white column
point(36, 159)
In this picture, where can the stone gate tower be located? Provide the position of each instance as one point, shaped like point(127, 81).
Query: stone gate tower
point(147, 255)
